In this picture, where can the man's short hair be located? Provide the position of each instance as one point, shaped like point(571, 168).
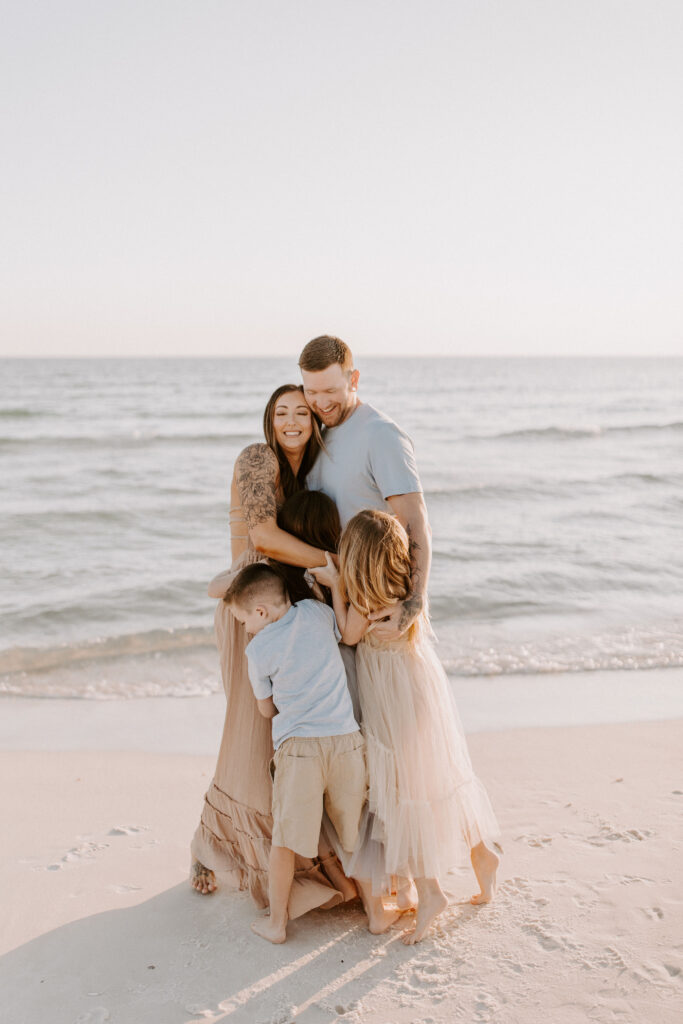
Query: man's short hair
point(254, 583)
point(323, 352)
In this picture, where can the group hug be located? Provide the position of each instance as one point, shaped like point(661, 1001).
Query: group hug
point(343, 769)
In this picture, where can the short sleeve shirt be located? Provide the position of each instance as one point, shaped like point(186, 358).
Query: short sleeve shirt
point(296, 661)
point(368, 458)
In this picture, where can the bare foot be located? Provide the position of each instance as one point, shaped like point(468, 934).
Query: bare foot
point(202, 879)
point(485, 864)
point(379, 918)
point(406, 899)
point(432, 900)
point(346, 886)
point(267, 929)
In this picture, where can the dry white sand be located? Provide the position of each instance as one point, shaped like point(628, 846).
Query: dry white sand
point(99, 923)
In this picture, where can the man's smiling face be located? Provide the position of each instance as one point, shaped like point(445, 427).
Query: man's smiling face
point(331, 393)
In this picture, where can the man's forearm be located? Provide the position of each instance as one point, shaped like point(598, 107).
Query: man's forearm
point(420, 548)
point(411, 511)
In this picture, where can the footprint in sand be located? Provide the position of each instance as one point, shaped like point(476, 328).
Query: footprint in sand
point(656, 972)
point(127, 830)
point(538, 841)
point(627, 880)
point(485, 1007)
point(98, 1015)
point(517, 886)
point(610, 834)
point(611, 958)
point(544, 938)
point(86, 851)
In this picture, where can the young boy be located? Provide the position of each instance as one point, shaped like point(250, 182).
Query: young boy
point(299, 681)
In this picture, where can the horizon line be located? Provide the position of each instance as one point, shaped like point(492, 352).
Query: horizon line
point(372, 355)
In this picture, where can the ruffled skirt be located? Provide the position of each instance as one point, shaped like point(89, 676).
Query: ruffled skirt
point(426, 807)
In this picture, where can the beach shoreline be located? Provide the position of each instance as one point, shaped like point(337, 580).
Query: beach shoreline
point(192, 725)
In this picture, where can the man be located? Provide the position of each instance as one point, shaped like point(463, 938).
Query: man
point(368, 462)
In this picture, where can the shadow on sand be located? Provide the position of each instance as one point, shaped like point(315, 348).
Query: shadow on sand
point(180, 958)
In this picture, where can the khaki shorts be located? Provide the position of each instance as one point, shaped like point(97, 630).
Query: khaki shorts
point(310, 772)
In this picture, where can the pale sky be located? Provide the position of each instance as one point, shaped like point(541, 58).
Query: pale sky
point(417, 176)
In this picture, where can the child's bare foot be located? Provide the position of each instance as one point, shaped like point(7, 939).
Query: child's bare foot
point(485, 864)
point(202, 879)
point(268, 929)
point(406, 899)
point(432, 900)
point(380, 918)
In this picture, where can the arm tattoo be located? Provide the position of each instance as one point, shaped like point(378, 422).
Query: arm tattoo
point(256, 473)
point(412, 605)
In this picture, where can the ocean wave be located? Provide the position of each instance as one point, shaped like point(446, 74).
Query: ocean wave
point(135, 439)
point(540, 488)
point(109, 687)
point(574, 433)
point(156, 641)
point(20, 413)
point(625, 649)
point(185, 664)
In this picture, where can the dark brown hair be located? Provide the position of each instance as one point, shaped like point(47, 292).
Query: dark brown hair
point(290, 484)
point(311, 516)
point(323, 352)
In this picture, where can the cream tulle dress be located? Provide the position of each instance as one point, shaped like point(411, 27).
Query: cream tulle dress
point(426, 807)
point(234, 834)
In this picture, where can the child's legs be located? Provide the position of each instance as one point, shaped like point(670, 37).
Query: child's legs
point(431, 900)
point(485, 864)
point(280, 877)
point(346, 786)
point(298, 787)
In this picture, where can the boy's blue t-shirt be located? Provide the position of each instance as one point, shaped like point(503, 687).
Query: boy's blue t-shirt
point(296, 661)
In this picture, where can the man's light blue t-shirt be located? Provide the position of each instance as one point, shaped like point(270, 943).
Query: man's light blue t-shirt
point(296, 661)
point(366, 459)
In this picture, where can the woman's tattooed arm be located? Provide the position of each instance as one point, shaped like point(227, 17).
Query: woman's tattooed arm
point(256, 475)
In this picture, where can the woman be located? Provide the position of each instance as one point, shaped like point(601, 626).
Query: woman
point(236, 824)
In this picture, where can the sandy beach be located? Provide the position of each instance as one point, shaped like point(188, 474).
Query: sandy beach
point(99, 923)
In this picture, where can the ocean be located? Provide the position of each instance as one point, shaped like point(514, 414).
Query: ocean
point(554, 489)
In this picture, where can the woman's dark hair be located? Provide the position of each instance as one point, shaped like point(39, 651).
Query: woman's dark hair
point(312, 517)
point(288, 481)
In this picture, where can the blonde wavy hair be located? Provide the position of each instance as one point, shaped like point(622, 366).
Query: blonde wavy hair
point(374, 562)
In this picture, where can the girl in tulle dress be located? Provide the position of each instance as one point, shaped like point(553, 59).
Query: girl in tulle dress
point(427, 812)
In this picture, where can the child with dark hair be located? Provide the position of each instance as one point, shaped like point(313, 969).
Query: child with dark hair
point(312, 517)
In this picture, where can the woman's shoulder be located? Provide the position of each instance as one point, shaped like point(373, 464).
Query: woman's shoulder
point(259, 452)
point(258, 457)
